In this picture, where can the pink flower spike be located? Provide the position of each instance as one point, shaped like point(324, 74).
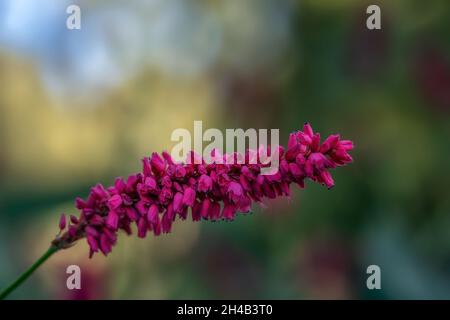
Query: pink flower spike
point(212, 190)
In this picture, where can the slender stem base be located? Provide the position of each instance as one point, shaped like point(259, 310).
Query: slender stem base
point(28, 272)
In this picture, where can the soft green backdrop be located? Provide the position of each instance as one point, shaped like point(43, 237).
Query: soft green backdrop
point(81, 107)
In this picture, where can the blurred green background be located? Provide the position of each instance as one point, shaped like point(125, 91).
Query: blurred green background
point(84, 106)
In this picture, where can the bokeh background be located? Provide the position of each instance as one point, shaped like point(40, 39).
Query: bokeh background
point(84, 106)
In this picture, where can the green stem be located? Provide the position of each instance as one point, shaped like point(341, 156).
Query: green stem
point(29, 272)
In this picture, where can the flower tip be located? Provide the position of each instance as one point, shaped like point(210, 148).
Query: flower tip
point(307, 129)
point(62, 222)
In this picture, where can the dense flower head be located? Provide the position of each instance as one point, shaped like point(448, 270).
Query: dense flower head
point(153, 198)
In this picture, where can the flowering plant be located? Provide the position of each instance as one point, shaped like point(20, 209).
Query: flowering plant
point(153, 198)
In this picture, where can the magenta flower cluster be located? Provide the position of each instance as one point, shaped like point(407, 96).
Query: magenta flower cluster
point(153, 198)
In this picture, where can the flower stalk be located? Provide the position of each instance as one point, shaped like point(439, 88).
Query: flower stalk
point(28, 272)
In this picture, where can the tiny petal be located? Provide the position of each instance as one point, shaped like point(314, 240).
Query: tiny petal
point(92, 242)
point(62, 222)
point(228, 212)
point(131, 213)
point(170, 212)
point(131, 182)
point(96, 220)
point(80, 203)
point(157, 164)
point(113, 219)
point(99, 191)
point(142, 228)
point(146, 167)
point(244, 183)
point(189, 197)
point(204, 183)
point(292, 142)
point(168, 157)
point(152, 214)
point(183, 213)
point(307, 129)
point(304, 138)
point(92, 231)
point(315, 142)
point(105, 245)
point(177, 202)
point(110, 234)
point(285, 188)
point(346, 145)
point(166, 182)
point(329, 143)
point(294, 169)
point(245, 204)
point(196, 211)
point(180, 172)
point(157, 228)
point(166, 222)
point(114, 202)
point(327, 179)
point(235, 191)
point(205, 208)
point(119, 185)
point(214, 211)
